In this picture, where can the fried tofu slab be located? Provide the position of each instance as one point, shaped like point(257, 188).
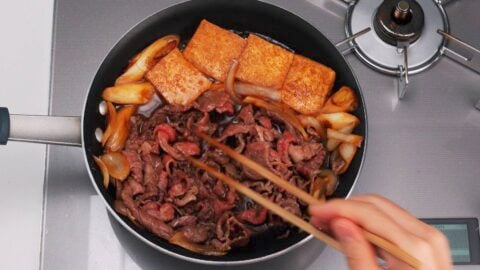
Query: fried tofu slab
point(212, 50)
point(308, 85)
point(263, 63)
point(177, 80)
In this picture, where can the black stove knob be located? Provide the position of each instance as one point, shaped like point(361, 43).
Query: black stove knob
point(399, 21)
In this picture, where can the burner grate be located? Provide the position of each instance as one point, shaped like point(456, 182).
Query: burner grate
point(408, 37)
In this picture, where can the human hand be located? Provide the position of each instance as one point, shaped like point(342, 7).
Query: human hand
point(345, 218)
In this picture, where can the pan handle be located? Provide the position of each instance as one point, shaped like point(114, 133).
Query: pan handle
point(58, 130)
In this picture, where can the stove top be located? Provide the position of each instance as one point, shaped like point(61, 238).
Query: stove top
point(423, 151)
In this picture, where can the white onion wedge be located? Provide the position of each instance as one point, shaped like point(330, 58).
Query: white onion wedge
point(246, 89)
point(344, 100)
point(348, 138)
point(280, 109)
point(338, 120)
point(111, 116)
point(309, 121)
point(117, 165)
point(332, 144)
point(230, 80)
point(104, 170)
point(120, 129)
point(342, 156)
point(129, 93)
point(143, 61)
point(331, 181)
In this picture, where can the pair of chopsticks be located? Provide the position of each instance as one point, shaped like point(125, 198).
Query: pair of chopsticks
point(294, 190)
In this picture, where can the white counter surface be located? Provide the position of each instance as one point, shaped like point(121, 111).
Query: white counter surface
point(24, 72)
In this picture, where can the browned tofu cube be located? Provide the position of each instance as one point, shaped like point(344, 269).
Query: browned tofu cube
point(178, 81)
point(308, 85)
point(263, 63)
point(212, 50)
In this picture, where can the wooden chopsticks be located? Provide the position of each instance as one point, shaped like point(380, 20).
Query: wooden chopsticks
point(294, 190)
point(302, 224)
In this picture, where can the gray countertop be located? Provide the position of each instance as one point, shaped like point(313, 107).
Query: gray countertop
point(423, 152)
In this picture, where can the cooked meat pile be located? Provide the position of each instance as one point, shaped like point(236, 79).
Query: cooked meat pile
point(165, 193)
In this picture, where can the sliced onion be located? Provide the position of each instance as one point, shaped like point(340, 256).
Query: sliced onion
point(309, 121)
point(343, 155)
point(338, 120)
point(143, 61)
point(317, 189)
point(217, 86)
point(280, 109)
point(347, 152)
point(229, 82)
point(117, 165)
point(246, 89)
point(104, 169)
point(333, 143)
point(120, 129)
point(179, 239)
point(111, 116)
point(330, 179)
point(348, 138)
point(151, 106)
point(344, 100)
point(129, 93)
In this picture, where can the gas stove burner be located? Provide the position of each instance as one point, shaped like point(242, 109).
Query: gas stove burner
point(399, 21)
point(398, 24)
point(409, 37)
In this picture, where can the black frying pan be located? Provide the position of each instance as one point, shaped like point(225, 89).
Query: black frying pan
point(183, 19)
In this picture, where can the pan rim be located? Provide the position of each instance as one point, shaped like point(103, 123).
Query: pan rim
point(206, 261)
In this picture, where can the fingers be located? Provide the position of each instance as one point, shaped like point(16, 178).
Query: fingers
point(395, 212)
point(367, 216)
point(387, 220)
point(359, 253)
point(411, 224)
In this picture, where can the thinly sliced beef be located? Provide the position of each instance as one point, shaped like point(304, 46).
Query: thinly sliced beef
point(234, 129)
point(187, 148)
point(211, 100)
point(282, 147)
point(291, 205)
point(182, 221)
point(167, 132)
point(311, 168)
point(198, 233)
point(165, 212)
point(253, 216)
point(165, 194)
point(304, 152)
point(232, 232)
point(176, 190)
point(246, 115)
point(190, 196)
point(136, 165)
point(265, 122)
point(154, 225)
point(258, 152)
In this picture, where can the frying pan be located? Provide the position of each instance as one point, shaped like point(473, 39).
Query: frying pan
point(183, 19)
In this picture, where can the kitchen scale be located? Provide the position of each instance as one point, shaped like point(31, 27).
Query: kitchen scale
point(463, 237)
point(423, 151)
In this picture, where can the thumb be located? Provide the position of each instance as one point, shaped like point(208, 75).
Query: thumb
point(360, 254)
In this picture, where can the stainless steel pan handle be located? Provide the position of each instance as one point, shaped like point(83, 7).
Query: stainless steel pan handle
point(58, 130)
